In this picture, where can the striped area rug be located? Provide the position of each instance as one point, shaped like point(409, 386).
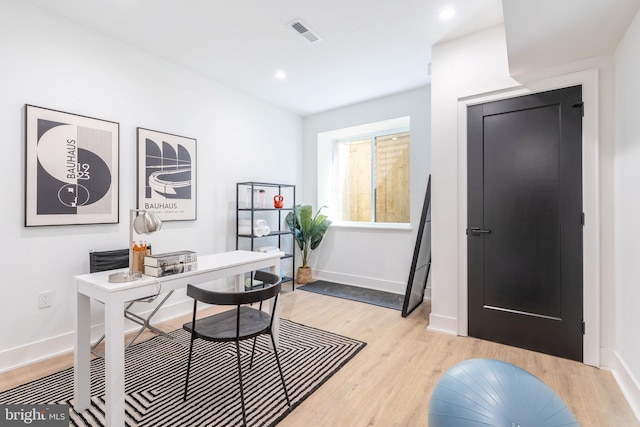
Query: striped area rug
point(155, 374)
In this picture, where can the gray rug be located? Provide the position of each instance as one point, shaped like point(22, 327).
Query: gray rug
point(355, 293)
point(155, 374)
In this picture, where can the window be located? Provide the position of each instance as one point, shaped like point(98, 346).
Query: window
point(363, 174)
point(372, 178)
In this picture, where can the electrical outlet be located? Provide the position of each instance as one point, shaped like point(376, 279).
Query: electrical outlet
point(45, 299)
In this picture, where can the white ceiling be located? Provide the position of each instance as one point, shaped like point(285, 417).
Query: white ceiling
point(371, 48)
point(544, 33)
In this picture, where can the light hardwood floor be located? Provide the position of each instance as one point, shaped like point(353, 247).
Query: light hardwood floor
point(390, 381)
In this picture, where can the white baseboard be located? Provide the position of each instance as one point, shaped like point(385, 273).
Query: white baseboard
point(443, 324)
point(27, 354)
point(629, 385)
point(361, 281)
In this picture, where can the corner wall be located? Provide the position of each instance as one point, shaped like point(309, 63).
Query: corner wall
point(367, 257)
point(54, 63)
point(627, 213)
point(476, 66)
point(464, 67)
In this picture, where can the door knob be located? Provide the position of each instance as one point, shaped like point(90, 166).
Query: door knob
point(477, 230)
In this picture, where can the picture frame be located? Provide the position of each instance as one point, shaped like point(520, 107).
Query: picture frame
point(167, 175)
point(421, 263)
point(72, 168)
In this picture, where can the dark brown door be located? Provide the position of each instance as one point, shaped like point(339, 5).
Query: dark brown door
point(525, 222)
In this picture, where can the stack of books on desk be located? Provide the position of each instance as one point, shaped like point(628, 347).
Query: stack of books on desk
point(170, 263)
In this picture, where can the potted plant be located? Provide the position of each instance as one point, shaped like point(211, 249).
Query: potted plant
point(308, 231)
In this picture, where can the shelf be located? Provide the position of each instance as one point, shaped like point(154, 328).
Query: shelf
point(272, 234)
point(264, 209)
point(258, 285)
point(247, 208)
point(266, 184)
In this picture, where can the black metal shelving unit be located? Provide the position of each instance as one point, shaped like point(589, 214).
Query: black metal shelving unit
point(247, 207)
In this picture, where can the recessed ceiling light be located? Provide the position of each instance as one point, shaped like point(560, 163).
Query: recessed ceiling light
point(447, 13)
point(280, 75)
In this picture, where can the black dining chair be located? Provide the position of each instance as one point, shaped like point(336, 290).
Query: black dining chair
point(238, 324)
point(119, 258)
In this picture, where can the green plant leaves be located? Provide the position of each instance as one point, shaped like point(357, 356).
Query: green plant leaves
point(320, 225)
point(308, 230)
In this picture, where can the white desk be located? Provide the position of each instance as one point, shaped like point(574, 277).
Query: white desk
point(115, 295)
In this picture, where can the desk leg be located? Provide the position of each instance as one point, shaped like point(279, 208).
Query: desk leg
point(240, 282)
point(82, 353)
point(114, 364)
point(276, 314)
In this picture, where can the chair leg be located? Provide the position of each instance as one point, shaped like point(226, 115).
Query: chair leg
point(146, 323)
point(186, 383)
point(135, 337)
point(95, 346)
point(275, 353)
point(244, 416)
point(253, 350)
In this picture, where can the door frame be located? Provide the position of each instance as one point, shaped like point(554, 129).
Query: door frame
point(591, 199)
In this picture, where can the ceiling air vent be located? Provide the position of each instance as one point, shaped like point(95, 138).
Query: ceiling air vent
point(304, 31)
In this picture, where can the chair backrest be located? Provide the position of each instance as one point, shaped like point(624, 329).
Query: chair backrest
point(266, 277)
point(109, 260)
point(238, 298)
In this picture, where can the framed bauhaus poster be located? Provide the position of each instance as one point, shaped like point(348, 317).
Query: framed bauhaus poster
point(71, 169)
point(167, 175)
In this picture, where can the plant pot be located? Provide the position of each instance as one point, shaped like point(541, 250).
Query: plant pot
point(304, 275)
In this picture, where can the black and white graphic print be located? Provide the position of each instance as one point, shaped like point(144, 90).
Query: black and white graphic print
point(167, 175)
point(71, 170)
point(74, 169)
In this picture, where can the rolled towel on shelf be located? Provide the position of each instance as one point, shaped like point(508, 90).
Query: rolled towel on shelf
point(246, 222)
point(246, 231)
point(260, 227)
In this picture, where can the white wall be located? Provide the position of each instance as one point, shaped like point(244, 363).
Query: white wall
point(627, 210)
point(373, 258)
point(54, 63)
point(464, 67)
point(476, 66)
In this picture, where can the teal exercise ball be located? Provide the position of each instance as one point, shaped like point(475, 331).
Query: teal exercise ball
point(488, 392)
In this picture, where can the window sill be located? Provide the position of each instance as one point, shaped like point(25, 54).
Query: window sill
point(372, 226)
